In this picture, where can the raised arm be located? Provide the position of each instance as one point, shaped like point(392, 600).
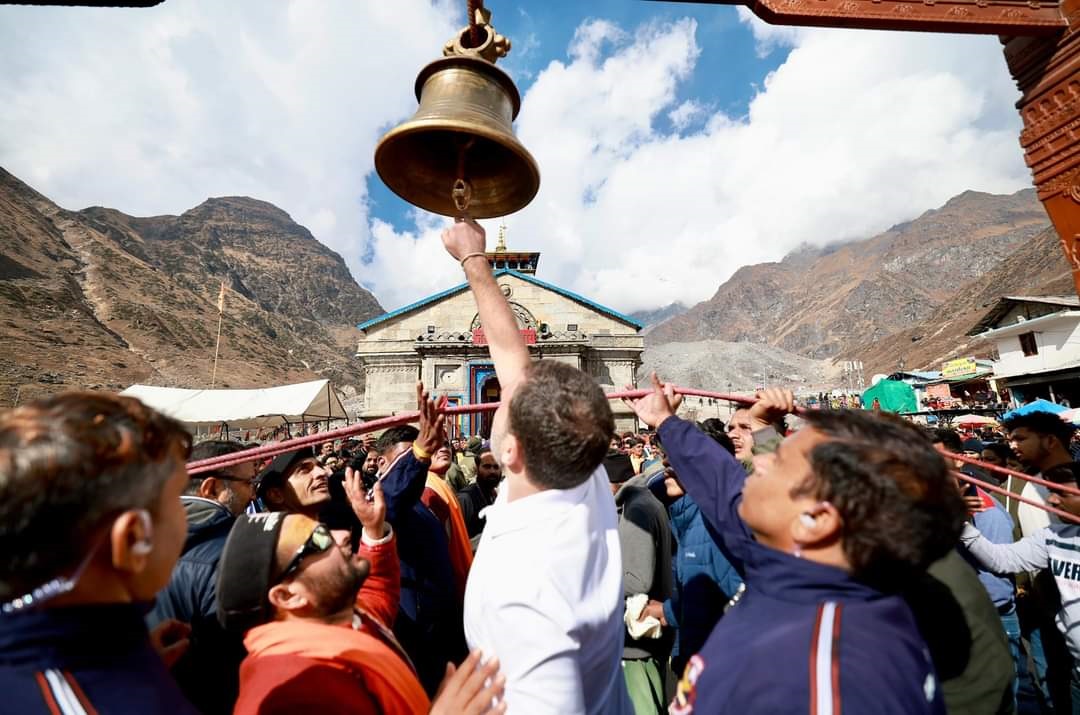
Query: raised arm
point(381, 592)
point(465, 242)
point(1028, 554)
point(403, 483)
point(708, 472)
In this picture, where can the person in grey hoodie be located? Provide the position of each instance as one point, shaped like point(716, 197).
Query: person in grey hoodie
point(1057, 548)
point(645, 538)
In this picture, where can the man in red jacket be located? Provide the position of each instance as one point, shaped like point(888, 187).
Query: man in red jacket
point(318, 618)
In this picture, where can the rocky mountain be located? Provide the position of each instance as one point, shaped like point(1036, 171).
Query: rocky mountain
point(99, 299)
point(1037, 267)
point(863, 299)
point(738, 367)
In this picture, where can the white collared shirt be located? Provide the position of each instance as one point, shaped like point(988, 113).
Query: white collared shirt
point(545, 596)
point(1032, 518)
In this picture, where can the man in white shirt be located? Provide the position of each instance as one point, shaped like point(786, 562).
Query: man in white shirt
point(545, 592)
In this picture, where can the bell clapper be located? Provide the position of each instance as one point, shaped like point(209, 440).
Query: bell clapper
point(462, 194)
point(462, 190)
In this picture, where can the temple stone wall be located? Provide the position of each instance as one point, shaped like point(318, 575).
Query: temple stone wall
point(434, 342)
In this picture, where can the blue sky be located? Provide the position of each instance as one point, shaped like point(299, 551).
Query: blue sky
point(676, 142)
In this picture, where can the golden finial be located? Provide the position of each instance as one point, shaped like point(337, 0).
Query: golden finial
point(500, 247)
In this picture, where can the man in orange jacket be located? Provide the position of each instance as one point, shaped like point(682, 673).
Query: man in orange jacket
point(316, 620)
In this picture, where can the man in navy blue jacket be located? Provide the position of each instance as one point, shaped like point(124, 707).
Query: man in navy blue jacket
point(823, 532)
point(429, 622)
point(90, 527)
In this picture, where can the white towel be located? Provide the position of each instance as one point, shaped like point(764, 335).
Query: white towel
point(648, 628)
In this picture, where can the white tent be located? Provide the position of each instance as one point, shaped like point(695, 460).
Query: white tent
point(244, 409)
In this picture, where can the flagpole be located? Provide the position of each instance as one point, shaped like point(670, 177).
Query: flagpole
point(217, 344)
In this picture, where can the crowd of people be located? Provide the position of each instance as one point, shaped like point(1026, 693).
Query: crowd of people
point(556, 567)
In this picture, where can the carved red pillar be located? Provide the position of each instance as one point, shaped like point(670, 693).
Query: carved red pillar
point(1047, 72)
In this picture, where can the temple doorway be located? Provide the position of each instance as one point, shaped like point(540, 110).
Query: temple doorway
point(490, 391)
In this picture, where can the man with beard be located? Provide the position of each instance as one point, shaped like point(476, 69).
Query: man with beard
point(315, 619)
point(212, 501)
point(1041, 441)
point(480, 494)
point(295, 482)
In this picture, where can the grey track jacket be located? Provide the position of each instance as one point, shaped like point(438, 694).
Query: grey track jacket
point(1056, 548)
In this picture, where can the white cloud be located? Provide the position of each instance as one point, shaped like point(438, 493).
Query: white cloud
point(686, 114)
point(152, 111)
point(768, 37)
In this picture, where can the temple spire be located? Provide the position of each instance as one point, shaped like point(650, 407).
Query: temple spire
point(503, 258)
point(500, 247)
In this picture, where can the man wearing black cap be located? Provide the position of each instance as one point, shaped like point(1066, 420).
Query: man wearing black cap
point(316, 618)
point(295, 482)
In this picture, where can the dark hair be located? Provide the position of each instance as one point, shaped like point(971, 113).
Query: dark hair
point(208, 450)
point(899, 506)
point(779, 424)
point(1000, 449)
point(717, 430)
point(69, 462)
point(563, 421)
point(395, 435)
point(948, 439)
point(1042, 423)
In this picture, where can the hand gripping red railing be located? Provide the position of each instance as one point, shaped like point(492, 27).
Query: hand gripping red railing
point(272, 450)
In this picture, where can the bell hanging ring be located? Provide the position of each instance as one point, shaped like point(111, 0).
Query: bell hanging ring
point(461, 132)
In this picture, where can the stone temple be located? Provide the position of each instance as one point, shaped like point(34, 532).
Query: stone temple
point(440, 340)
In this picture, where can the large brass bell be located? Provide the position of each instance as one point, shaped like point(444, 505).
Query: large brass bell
point(458, 154)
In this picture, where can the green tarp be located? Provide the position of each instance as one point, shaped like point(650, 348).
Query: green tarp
point(892, 396)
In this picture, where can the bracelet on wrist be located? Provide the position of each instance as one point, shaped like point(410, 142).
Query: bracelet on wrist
point(419, 453)
point(467, 256)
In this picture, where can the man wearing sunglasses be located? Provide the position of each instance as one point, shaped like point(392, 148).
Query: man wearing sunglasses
point(316, 617)
point(212, 501)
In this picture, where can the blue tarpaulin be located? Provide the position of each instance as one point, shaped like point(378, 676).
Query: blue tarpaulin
point(1039, 405)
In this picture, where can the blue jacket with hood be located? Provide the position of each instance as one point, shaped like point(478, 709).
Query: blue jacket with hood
point(208, 673)
point(84, 659)
point(804, 637)
point(704, 579)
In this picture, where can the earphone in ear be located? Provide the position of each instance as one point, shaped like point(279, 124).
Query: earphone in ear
point(146, 545)
point(807, 520)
